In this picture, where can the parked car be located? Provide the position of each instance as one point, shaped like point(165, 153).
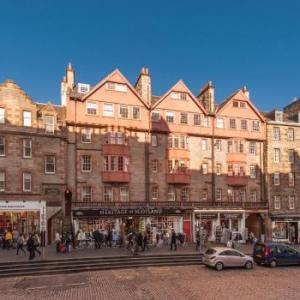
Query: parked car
point(274, 254)
point(222, 257)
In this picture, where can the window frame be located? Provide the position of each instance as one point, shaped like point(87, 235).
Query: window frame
point(108, 195)
point(2, 172)
point(24, 147)
point(184, 118)
point(46, 164)
point(3, 145)
point(90, 110)
point(87, 191)
point(133, 113)
point(170, 114)
point(2, 115)
point(121, 194)
point(276, 178)
point(125, 116)
point(105, 111)
point(84, 163)
point(84, 140)
point(24, 183)
point(277, 202)
point(26, 118)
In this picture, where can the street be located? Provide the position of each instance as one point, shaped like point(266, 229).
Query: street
point(189, 282)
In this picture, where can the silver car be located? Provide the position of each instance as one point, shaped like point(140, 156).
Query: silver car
point(222, 257)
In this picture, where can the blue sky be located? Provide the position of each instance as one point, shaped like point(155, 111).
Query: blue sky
point(232, 43)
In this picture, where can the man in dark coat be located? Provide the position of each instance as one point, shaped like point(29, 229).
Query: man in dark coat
point(173, 240)
point(31, 247)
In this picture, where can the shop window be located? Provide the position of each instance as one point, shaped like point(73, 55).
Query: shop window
point(232, 123)
point(27, 118)
point(184, 118)
point(136, 113)
point(86, 135)
point(27, 148)
point(124, 194)
point(154, 141)
point(253, 195)
point(87, 194)
point(27, 182)
point(290, 134)
point(252, 148)
point(204, 169)
point(2, 181)
point(291, 179)
point(220, 123)
point(204, 195)
point(2, 146)
point(291, 155)
point(218, 145)
point(155, 116)
point(255, 125)
point(154, 166)
point(86, 165)
point(124, 112)
point(244, 125)
point(291, 202)
point(2, 115)
point(50, 164)
point(204, 144)
point(277, 202)
point(276, 178)
point(218, 168)
point(252, 171)
point(276, 133)
point(154, 192)
point(276, 155)
point(219, 195)
point(171, 193)
point(49, 124)
point(170, 116)
point(184, 194)
point(108, 193)
point(206, 121)
point(91, 108)
point(108, 110)
point(197, 119)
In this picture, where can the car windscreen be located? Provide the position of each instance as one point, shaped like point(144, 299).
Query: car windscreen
point(210, 251)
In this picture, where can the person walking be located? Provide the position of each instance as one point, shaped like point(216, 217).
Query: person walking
point(21, 243)
point(31, 247)
point(140, 241)
point(173, 240)
point(8, 239)
point(109, 238)
point(145, 242)
point(57, 241)
point(37, 243)
point(198, 240)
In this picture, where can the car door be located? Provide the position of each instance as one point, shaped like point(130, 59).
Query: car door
point(237, 259)
point(293, 256)
point(226, 258)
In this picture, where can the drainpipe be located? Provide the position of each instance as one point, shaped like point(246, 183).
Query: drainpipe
point(213, 160)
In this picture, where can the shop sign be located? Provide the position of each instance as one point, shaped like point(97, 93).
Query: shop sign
point(206, 216)
point(231, 216)
point(119, 212)
point(286, 218)
point(20, 205)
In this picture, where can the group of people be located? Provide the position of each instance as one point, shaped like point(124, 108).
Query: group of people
point(137, 241)
point(16, 240)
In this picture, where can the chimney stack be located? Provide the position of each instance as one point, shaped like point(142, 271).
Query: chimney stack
point(246, 92)
point(143, 85)
point(207, 97)
point(67, 84)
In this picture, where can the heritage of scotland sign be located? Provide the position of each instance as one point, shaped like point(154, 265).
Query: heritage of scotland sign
point(106, 212)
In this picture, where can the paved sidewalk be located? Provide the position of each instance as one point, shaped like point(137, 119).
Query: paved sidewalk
point(49, 252)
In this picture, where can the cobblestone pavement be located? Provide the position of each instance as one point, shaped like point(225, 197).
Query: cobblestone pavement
point(189, 282)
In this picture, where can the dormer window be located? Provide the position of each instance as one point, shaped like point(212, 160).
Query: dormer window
point(178, 96)
point(240, 104)
point(49, 124)
point(278, 116)
point(83, 88)
point(27, 118)
point(119, 87)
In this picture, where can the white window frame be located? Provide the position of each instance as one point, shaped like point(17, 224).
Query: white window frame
point(178, 96)
point(124, 107)
point(46, 164)
point(108, 112)
point(252, 148)
point(218, 169)
point(184, 194)
point(24, 148)
point(204, 195)
point(232, 123)
point(277, 154)
point(276, 133)
point(29, 177)
point(155, 116)
point(204, 144)
point(290, 134)
point(85, 163)
point(291, 178)
point(220, 123)
point(277, 201)
point(108, 193)
point(2, 115)
point(124, 194)
point(138, 117)
point(87, 193)
point(197, 119)
point(291, 157)
point(154, 166)
point(252, 171)
point(171, 193)
point(206, 121)
point(219, 195)
point(91, 108)
point(170, 114)
point(27, 118)
point(246, 123)
point(218, 145)
point(3, 146)
point(154, 192)
point(118, 87)
point(292, 201)
point(86, 132)
point(253, 196)
point(205, 168)
point(154, 140)
point(183, 115)
point(49, 126)
point(2, 181)
point(255, 125)
point(276, 178)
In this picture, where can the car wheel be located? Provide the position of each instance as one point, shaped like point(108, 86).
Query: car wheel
point(273, 264)
point(249, 265)
point(219, 266)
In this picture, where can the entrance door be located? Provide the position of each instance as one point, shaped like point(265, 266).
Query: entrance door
point(187, 229)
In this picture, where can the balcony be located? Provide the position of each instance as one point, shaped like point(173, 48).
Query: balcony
point(178, 154)
point(108, 176)
point(177, 177)
point(236, 157)
point(116, 149)
point(237, 180)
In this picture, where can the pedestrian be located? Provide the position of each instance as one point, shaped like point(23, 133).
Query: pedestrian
point(173, 240)
point(36, 243)
point(8, 239)
point(31, 247)
point(145, 242)
point(140, 241)
point(109, 237)
point(68, 242)
point(198, 240)
point(57, 241)
point(20, 244)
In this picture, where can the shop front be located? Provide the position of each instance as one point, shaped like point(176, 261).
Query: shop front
point(285, 228)
point(220, 226)
point(157, 222)
point(23, 216)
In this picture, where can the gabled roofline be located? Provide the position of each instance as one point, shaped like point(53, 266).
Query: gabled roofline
point(189, 92)
point(228, 99)
point(102, 82)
